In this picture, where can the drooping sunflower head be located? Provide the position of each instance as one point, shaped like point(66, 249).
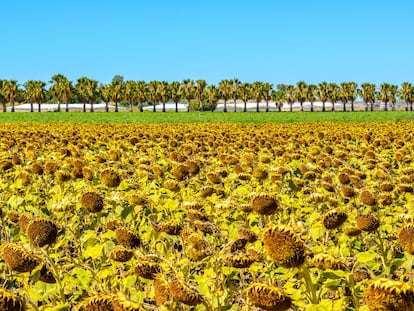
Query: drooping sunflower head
point(184, 293)
point(283, 246)
point(127, 237)
point(42, 231)
point(11, 302)
point(368, 223)
point(24, 221)
point(18, 259)
point(386, 294)
point(147, 269)
point(406, 237)
point(121, 254)
point(264, 203)
point(161, 290)
point(92, 202)
point(368, 197)
point(326, 261)
point(99, 302)
point(334, 219)
point(268, 297)
point(110, 177)
point(238, 260)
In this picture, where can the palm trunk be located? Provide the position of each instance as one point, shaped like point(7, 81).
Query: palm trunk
point(279, 107)
point(67, 106)
point(84, 107)
point(344, 106)
point(200, 105)
point(4, 107)
point(116, 106)
point(154, 108)
point(58, 107)
point(245, 107)
point(352, 106)
point(106, 106)
point(12, 104)
point(130, 107)
point(385, 106)
point(163, 106)
point(31, 107)
point(267, 105)
point(176, 106)
point(366, 106)
point(311, 108)
point(235, 105)
point(141, 106)
point(333, 107)
point(257, 106)
point(323, 107)
point(91, 109)
point(301, 106)
point(38, 107)
point(225, 106)
point(291, 107)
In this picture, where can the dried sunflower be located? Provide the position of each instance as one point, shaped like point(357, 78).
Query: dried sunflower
point(268, 297)
point(18, 259)
point(184, 293)
point(42, 231)
point(92, 202)
point(11, 302)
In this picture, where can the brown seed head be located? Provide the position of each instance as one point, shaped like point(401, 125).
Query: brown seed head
point(334, 219)
point(161, 290)
point(110, 178)
point(284, 247)
point(92, 202)
point(325, 261)
point(42, 231)
point(18, 259)
point(184, 293)
point(11, 302)
point(386, 294)
point(368, 197)
point(268, 297)
point(127, 238)
point(264, 203)
point(368, 223)
point(121, 254)
point(24, 221)
point(100, 302)
point(147, 269)
point(406, 237)
point(238, 260)
point(13, 217)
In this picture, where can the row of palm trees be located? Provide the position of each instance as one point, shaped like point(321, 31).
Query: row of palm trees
point(88, 91)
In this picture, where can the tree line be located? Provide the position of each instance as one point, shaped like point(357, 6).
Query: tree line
point(198, 94)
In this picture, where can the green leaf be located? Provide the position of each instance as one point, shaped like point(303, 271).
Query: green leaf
point(94, 251)
point(365, 257)
point(129, 281)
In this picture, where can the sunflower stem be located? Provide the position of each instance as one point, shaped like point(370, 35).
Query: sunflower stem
point(310, 287)
point(55, 273)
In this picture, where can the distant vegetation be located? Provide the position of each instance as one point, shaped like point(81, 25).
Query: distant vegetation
point(199, 96)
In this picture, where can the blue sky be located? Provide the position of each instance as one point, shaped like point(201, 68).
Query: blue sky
point(270, 41)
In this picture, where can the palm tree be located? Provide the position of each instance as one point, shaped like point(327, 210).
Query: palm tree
point(312, 94)
point(367, 92)
point(384, 94)
point(343, 94)
point(278, 96)
point(35, 93)
point(407, 94)
point(163, 93)
point(301, 93)
point(235, 84)
point(225, 88)
point(323, 93)
point(153, 94)
point(352, 93)
point(105, 93)
point(3, 99)
point(187, 89)
point(117, 88)
point(86, 90)
point(130, 93)
point(211, 95)
point(244, 93)
point(267, 90)
point(333, 93)
point(393, 92)
point(257, 93)
point(199, 87)
point(61, 90)
point(10, 89)
point(175, 93)
point(141, 93)
point(290, 95)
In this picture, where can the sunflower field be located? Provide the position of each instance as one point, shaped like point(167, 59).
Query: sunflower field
point(207, 216)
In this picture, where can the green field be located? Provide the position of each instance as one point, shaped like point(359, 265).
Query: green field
point(246, 117)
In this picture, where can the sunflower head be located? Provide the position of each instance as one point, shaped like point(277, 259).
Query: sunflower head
point(368, 197)
point(121, 254)
point(325, 261)
point(127, 237)
point(334, 219)
point(100, 302)
point(11, 302)
point(92, 202)
point(368, 223)
point(406, 237)
point(110, 177)
point(184, 293)
point(283, 246)
point(238, 260)
point(42, 231)
point(386, 294)
point(147, 269)
point(161, 290)
point(18, 259)
point(268, 297)
point(264, 203)
point(24, 221)
point(46, 275)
